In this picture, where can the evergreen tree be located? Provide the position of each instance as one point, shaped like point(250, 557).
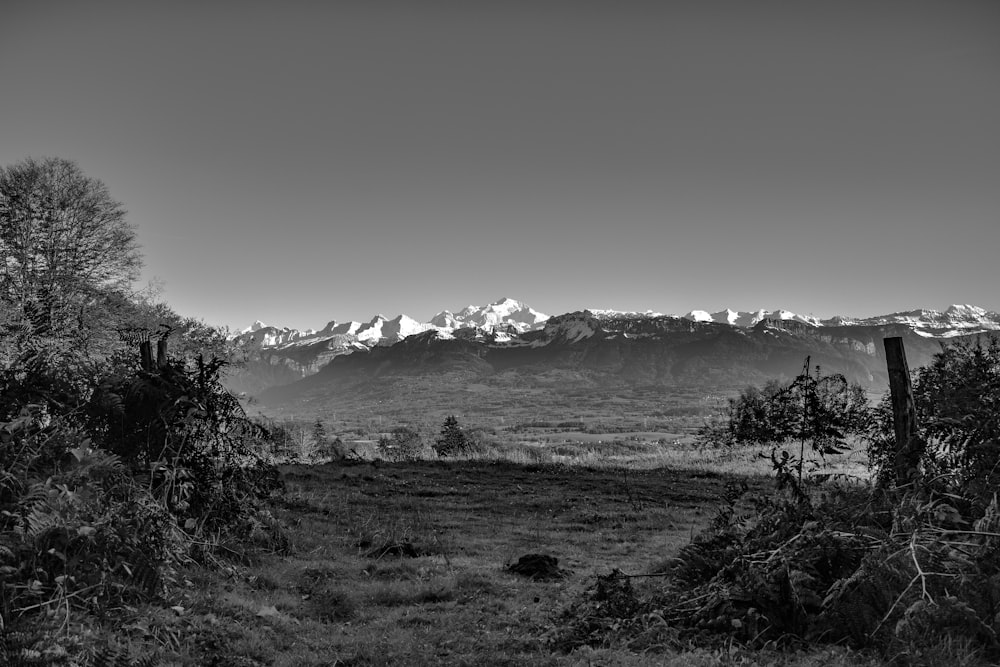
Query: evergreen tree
point(452, 439)
point(319, 434)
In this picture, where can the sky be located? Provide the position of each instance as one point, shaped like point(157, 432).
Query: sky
point(300, 162)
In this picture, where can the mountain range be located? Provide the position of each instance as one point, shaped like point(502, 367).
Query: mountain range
point(515, 317)
point(605, 347)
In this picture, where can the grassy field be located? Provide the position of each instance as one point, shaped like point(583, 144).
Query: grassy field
point(406, 564)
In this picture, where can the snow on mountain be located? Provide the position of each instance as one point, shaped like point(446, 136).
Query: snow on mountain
point(265, 336)
point(333, 328)
point(500, 320)
point(699, 316)
point(607, 312)
point(956, 320)
point(728, 316)
point(256, 326)
point(382, 331)
point(967, 312)
point(569, 328)
point(503, 320)
point(400, 327)
point(446, 320)
point(746, 319)
point(502, 312)
point(786, 315)
point(372, 331)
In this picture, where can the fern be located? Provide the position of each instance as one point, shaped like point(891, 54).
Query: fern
point(37, 513)
point(21, 649)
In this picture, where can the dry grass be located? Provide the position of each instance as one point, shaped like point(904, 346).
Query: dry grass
point(345, 597)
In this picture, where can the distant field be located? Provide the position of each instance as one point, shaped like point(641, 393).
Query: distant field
point(638, 436)
point(505, 405)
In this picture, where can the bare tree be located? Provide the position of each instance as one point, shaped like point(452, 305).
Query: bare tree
point(63, 242)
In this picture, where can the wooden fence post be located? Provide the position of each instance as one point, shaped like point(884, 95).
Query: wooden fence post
point(909, 446)
point(146, 355)
point(161, 353)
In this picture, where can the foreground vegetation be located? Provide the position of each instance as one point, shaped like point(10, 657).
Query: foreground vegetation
point(117, 470)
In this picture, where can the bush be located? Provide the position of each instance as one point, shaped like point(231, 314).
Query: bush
point(403, 444)
point(78, 531)
point(957, 400)
point(191, 437)
point(103, 492)
point(822, 409)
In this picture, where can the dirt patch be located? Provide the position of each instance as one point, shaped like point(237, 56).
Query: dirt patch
point(401, 549)
point(540, 567)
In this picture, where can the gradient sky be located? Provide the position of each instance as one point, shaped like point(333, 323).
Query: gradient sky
point(298, 162)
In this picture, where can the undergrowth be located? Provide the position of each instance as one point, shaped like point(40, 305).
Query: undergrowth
point(112, 476)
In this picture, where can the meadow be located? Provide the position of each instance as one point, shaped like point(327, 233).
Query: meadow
point(408, 563)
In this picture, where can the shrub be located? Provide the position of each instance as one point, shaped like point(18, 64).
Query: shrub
point(104, 491)
point(403, 444)
point(821, 410)
point(957, 400)
point(78, 532)
point(190, 436)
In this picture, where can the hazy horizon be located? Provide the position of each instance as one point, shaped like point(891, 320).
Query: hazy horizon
point(307, 162)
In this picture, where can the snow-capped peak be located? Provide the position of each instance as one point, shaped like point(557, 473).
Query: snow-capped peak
point(508, 316)
point(501, 317)
point(748, 319)
point(965, 311)
point(253, 328)
point(503, 312)
point(699, 316)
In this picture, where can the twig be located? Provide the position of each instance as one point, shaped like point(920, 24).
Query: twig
point(55, 600)
point(920, 573)
point(968, 532)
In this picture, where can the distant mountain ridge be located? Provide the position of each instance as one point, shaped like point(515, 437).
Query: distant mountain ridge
point(505, 313)
point(956, 320)
point(508, 329)
point(515, 316)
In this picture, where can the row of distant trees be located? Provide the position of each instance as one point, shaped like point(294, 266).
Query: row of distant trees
point(300, 440)
point(405, 443)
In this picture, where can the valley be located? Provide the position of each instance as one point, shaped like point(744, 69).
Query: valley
point(645, 376)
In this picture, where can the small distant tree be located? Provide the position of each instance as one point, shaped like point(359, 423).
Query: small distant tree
point(452, 440)
point(319, 434)
point(821, 410)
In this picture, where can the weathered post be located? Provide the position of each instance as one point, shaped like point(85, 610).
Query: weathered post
point(909, 447)
point(161, 353)
point(146, 354)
